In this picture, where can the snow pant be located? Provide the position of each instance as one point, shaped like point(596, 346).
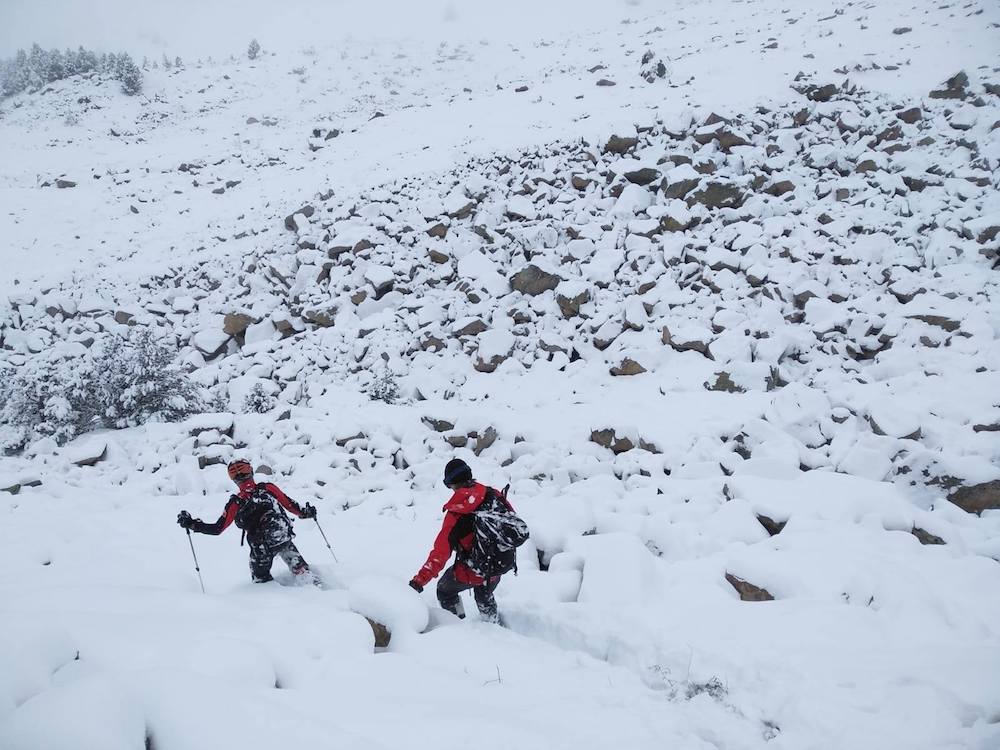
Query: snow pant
point(449, 587)
point(263, 554)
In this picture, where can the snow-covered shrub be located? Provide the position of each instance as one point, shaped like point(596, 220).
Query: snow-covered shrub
point(48, 396)
point(137, 380)
point(253, 50)
point(258, 400)
point(129, 74)
point(384, 387)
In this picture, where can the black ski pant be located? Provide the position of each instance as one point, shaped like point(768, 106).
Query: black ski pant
point(263, 554)
point(449, 587)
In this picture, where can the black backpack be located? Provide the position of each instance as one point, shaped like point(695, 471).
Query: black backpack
point(252, 512)
point(497, 533)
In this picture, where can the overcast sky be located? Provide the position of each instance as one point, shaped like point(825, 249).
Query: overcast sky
point(198, 28)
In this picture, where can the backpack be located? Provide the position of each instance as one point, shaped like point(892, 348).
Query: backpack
point(497, 533)
point(253, 511)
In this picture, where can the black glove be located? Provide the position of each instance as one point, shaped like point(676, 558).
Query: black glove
point(416, 586)
point(184, 520)
point(308, 511)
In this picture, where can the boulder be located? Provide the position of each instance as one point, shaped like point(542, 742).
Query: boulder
point(533, 281)
point(777, 189)
point(620, 145)
point(911, 115)
point(925, 537)
point(485, 439)
point(467, 327)
point(608, 439)
point(822, 93)
point(954, 88)
point(627, 368)
point(748, 592)
point(977, 497)
point(643, 176)
point(723, 382)
point(439, 231)
point(235, 324)
point(382, 634)
point(569, 304)
point(438, 425)
point(718, 195)
point(294, 225)
point(89, 453)
point(772, 527)
point(494, 347)
point(210, 343)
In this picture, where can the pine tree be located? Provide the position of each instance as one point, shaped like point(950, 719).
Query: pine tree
point(129, 74)
point(167, 64)
point(56, 66)
point(86, 60)
point(137, 381)
point(254, 49)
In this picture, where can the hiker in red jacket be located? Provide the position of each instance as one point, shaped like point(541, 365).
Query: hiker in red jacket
point(258, 509)
point(457, 536)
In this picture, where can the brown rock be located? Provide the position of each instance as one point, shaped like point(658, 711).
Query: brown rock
point(533, 281)
point(438, 425)
point(925, 537)
point(718, 195)
point(472, 329)
point(580, 183)
point(619, 145)
point(723, 382)
point(777, 189)
point(291, 225)
point(382, 634)
point(236, 324)
point(747, 591)
point(485, 440)
point(608, 439)
point(570, 306)
point(938, 320)
point(642, 176)
point(977, 497)
point(438, 257)
point(772, 527)
point(954, 88)
point(627, 367)
point(911, 115)
point(439, 230)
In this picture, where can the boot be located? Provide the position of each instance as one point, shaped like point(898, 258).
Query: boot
point(455, 607)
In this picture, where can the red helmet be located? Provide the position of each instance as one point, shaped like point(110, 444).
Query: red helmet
point(240, 470)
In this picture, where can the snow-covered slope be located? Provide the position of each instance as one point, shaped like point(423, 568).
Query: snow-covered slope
point(713, 287)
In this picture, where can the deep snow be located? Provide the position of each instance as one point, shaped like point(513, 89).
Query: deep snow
point(622, 629)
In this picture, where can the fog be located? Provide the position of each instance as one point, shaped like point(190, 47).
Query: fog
point(199, 28)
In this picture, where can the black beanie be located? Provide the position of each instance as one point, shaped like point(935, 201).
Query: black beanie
point(457, 472)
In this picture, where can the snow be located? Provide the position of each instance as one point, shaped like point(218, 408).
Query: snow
point(858, 336)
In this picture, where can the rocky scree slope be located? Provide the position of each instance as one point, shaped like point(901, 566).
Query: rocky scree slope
point(839, 250)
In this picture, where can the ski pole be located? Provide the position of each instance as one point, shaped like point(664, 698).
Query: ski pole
point(326, 540)
point(197, 569)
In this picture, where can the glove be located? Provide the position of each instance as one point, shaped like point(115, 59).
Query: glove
point(184, 520)
point(308, 511)
point(416, 586)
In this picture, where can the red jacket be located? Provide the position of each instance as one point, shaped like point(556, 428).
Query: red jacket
point(229, 512)
point(455, 536)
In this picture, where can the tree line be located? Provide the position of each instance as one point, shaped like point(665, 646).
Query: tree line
point(32, 70)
